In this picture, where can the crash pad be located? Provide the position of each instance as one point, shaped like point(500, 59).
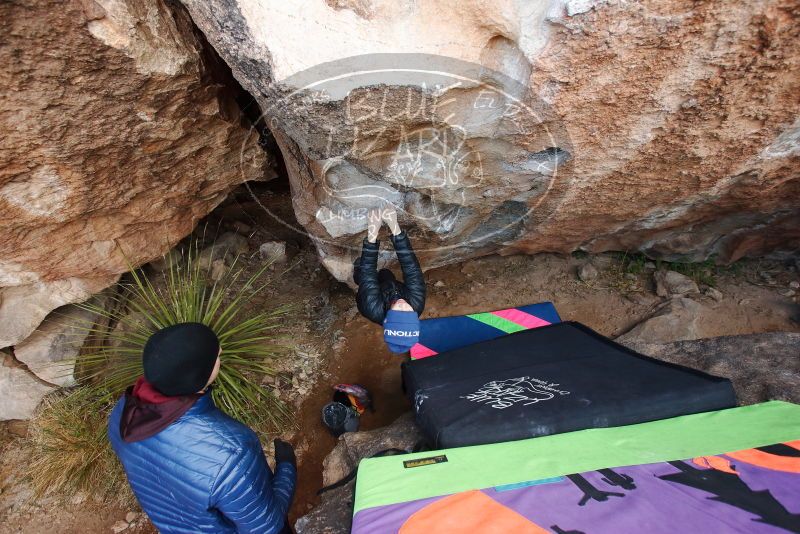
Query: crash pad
point(733, 470)
point(557, 378)
point(443, 334)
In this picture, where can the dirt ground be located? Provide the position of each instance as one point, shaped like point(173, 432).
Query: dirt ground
point(334, 344)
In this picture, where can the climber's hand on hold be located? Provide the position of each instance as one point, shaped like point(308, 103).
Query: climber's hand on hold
point(389, 216)
point(373, 224)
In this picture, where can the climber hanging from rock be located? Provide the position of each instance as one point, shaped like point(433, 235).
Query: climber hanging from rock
point(381, 297)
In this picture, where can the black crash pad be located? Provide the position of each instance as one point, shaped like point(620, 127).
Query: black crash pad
point(549, 380)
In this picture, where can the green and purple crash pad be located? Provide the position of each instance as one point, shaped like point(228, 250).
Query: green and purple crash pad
point(734, 470)
point(442, 334)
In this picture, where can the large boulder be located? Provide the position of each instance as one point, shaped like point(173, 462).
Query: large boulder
point(674, 320)
point(761, 366)
point(20, 390)
point(665, 126)
point(117, 133)
point(52, 350)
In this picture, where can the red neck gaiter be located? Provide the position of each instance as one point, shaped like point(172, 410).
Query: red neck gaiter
point(145, 392)
point(147, 412)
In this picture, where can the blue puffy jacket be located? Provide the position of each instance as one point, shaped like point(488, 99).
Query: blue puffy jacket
point(205, 472)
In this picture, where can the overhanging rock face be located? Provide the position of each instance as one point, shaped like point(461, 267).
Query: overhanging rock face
point(117, 136)
point(669, 127)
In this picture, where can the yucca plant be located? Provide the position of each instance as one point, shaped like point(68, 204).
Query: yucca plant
point(186, 293)
point(70, 450)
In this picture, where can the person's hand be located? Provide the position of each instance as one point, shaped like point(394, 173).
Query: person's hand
point(373, 224)
point(284, 452)
point(389, 216)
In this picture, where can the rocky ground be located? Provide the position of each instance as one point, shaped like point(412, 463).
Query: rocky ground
point(614, 294)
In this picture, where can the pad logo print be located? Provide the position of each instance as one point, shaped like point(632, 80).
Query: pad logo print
point(526, 390)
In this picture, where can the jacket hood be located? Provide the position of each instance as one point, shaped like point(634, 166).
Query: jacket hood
point(147, 412)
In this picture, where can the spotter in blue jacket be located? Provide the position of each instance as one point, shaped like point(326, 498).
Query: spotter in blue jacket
point(203, 472)
point(192, 468)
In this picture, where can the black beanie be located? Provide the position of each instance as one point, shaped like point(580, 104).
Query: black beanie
point(178, 360)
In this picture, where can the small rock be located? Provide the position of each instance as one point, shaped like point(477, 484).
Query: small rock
point(130, 517)
point(470, 268)
point(669, 283)
point(650, 266)
point(229, 244)
point(274, 251)
point(767, 277)
point(119, 526)
point(218, 269)
point(602, 261)
point(675, 320)
point(269, 381)
point(794, 284)
point(788, 293)
point(17, 427)
point(242, 227)
point(439, 283)
point(351, 313)
point(630, 276)
point(713, 293)
point(587, 272)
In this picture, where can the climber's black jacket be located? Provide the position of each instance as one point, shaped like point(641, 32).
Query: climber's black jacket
point(378, 290)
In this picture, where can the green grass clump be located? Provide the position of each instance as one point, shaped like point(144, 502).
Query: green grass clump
point(704, 272)
point(70, 452)
point(633, 263)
